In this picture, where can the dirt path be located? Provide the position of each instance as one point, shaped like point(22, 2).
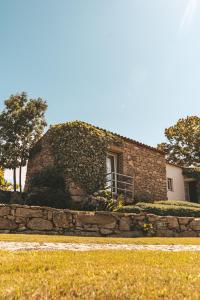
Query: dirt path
point(19, 246)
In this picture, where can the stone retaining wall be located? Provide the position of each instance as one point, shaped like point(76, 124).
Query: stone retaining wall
point(18, 218)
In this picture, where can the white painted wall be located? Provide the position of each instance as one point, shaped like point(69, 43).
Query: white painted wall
point(175, 173)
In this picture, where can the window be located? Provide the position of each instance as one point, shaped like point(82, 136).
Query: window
point(170, 184)
point(111, 164)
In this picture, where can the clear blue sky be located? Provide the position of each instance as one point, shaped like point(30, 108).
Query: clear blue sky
point(131, 66)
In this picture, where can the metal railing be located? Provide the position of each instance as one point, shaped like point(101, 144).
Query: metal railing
point(119, 183)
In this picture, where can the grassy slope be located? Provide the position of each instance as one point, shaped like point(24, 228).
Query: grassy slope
point(99, 275)
point(78, 239)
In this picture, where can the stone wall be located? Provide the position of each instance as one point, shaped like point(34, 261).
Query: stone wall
point(25, 219)
point(147, 166)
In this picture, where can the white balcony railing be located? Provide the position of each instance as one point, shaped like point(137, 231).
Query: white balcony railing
point(119, 183)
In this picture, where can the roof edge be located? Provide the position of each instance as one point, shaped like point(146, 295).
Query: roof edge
point(117, 135)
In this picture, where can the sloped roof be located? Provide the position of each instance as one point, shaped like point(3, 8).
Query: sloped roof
point(120, 136)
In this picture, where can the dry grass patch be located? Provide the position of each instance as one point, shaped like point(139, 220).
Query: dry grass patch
point(99, 275)
point(98, 240)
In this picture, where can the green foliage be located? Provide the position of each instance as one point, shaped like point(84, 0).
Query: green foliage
point(183, 146)
point(48, 177)
point(129, 209)
point(21, 124)
point(192, 172)
point(148, 228)
point(4, 184)
point(80, 152)
point(178, 203)
point(167, 208)
point(103, 201)
point(5, 196)
point(47, 189)
point(50, 197)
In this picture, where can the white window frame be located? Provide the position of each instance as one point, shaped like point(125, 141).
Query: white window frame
point(114, 155)
point(170, 184)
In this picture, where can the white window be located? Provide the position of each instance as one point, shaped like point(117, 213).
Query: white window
point(111, 164)
point(170, 184)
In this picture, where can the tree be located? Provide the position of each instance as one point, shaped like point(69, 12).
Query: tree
point(183, 146)
point(4, 184)
point(22, 123)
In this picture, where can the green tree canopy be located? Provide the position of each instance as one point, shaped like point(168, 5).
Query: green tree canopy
point(183, 146)
point(21, 124)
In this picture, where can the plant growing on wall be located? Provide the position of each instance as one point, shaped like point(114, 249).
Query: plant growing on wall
point(80, 152)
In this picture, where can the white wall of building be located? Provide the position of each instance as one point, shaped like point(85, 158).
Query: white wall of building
point(175, 173)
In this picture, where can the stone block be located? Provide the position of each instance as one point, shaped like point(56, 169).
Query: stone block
point(4, 211)
point(49, 215)
point(125, 223)
point(195, 224)
point(184, 220)
point(104, 220)
point(162, 233)
point(172, 223)
point(90, 228)
point(7, 224)
point(40, 224)
point(139, 217)
point(106, 231)
point(61, 219)
point(152, 218)
point(29, 212)
point(188, 233)
point(161, 225)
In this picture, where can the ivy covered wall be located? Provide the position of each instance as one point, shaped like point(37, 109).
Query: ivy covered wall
point(80, 150)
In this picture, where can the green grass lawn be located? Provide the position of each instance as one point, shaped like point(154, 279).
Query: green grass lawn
point(78, 239)
point(99, 275)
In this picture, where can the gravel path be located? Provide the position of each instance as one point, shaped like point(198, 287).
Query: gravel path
point(19, 246)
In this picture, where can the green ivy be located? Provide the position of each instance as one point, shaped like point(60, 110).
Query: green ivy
point(80, 152)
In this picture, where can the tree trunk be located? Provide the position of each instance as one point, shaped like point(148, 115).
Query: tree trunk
point(14, 179)
point(20, 178)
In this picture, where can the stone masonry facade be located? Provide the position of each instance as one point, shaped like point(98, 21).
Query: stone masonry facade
point(144, 163)
point(44, 220)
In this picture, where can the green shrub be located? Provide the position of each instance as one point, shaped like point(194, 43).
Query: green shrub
point(163, 209)
point(170, 210)
point(129, 209)
point(5, 197)
point(48, 177)
point(48, 197)
point(178, 203)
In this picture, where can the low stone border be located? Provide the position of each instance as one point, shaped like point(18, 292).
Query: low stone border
point(32, 219)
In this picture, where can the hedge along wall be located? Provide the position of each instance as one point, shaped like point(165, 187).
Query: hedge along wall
point(26, 219)
point(80, 150)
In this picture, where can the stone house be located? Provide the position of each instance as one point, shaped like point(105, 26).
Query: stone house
point(136, 170)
